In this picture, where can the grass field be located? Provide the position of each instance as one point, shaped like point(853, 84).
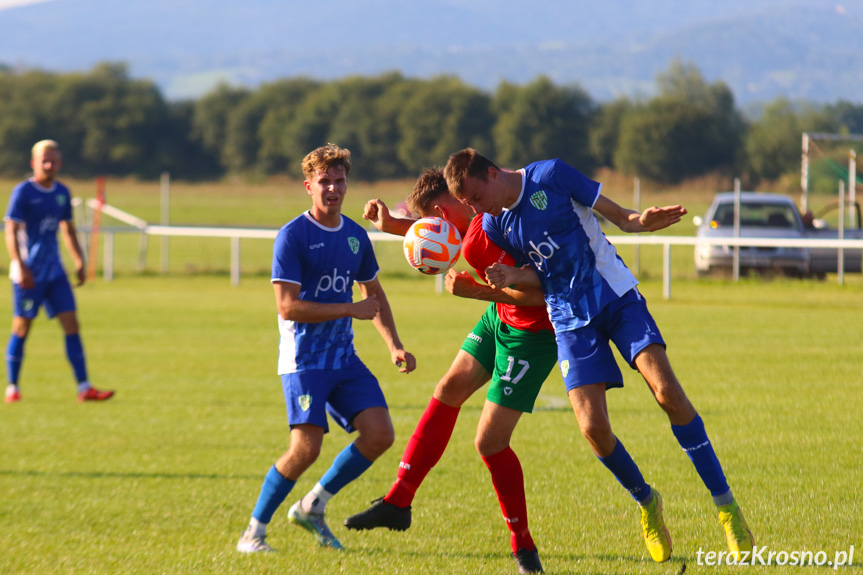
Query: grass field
point(163, 478)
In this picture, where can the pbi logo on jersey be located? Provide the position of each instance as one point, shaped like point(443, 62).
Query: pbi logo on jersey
point(542, 251)
point(354, 243)
point(539, 200)
point(564, 367)
point(305, 402)
point(334, 282)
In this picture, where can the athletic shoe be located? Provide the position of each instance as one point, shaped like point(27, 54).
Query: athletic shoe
point(381, 514)
point(528, 561)
point(315, 524)
point(12, 395)
point(248, 543)
point(93, 394)
point(653, 529)
point(737, 533)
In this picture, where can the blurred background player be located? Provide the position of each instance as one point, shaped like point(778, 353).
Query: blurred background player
point(37, 208)
point(544, 216)
point(317, 257)
point(512, 345)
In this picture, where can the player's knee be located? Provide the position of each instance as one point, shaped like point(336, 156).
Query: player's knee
point(487, 446)
point(596, 431)
point(377, 442)
point(452, 391)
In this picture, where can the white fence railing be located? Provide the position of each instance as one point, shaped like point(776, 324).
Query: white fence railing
point(234, 235)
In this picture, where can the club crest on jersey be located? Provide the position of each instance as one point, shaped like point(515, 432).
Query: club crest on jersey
point(564, 367)
point(305, 402)
point(354, 243)
point(539, 200)
point(61, 199)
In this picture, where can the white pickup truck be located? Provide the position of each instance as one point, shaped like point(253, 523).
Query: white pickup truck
point(772, 216)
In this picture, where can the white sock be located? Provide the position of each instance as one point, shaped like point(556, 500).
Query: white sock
point(11, 388)
point(83, 386)
point(316, 500)
point(257, 528)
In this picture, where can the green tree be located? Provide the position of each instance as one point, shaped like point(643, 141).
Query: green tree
point(690, 128)
point(441, 116)
point(210, 119)
point(541, 120)
point(605, 131)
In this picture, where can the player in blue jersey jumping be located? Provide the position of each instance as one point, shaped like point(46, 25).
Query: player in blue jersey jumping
point(317, 257)
point(39, 207)
point(543, 216)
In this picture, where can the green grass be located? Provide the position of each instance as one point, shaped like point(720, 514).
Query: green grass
point(163, 478)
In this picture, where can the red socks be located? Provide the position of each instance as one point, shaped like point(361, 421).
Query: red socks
point(423, 451)
point(508, 481)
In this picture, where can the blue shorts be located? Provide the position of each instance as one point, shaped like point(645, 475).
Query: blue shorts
point(584, 354)
point(343, 393)
point(56, 295)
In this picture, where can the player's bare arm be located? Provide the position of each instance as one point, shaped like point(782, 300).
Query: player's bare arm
point(462, 284)
point(386, 325)
point(70, 238)
point(14, 249)
point(292, 308)
point(377, 212)
point(501, 276)
point(650, 220)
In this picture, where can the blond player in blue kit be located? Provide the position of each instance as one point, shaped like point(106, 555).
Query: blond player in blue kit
point(544, 218)
point(38, 208)
point(317, 257)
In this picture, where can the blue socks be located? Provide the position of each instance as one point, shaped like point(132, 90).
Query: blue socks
point(347, 466)
point(627, 473)
point(693, 439)
point(75, 353)
point(273, 493)
point(14, 357)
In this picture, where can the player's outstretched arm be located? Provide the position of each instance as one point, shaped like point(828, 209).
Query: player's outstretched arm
point(650, 220)
point(379, 215)
point(385, 323)
point(501, 276)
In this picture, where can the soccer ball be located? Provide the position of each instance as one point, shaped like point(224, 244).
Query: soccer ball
point(432, 245)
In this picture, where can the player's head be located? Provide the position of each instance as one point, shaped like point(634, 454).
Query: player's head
point(471, 177)
point(326, 171)
point(430, 197)
point(324, 158)
point(45, 159)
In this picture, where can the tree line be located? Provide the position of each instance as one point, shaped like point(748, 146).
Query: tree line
point(110, 124)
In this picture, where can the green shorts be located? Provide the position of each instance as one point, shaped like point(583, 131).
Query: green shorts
point(518, 360)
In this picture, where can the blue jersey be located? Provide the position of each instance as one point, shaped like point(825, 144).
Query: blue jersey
point(552, 227)
point(40, 210)
point(325, 262)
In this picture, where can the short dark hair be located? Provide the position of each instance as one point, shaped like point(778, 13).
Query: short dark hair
point(463, 164)
point(430, 186)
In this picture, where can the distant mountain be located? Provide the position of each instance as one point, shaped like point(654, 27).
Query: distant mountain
point(801, 49)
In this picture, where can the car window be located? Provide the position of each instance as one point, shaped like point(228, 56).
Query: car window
point(756, 214)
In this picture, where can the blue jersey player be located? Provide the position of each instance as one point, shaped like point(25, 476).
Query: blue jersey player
point(39, 207)
point(317, 257)
point(543, 216)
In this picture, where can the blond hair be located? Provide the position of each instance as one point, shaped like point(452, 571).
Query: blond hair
point(324, 158)
point(43, 145)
